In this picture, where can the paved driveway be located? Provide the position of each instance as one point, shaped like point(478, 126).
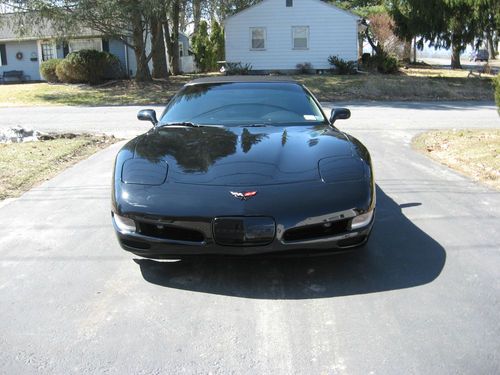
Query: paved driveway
point(423, 298)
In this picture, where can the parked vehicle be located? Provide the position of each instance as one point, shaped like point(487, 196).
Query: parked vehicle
point(242, 166)
point(480, 55)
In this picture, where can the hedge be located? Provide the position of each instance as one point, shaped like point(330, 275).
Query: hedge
point(48, 70)
point(89, 66)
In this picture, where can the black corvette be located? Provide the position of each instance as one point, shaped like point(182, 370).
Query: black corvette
point(242, 166)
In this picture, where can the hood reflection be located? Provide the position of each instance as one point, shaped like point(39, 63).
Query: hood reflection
point(194, 149)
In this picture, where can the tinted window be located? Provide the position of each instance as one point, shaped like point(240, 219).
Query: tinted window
point(243, 104)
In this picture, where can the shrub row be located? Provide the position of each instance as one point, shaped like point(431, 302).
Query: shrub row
point(341, 66)
point(85, 66)
point(237, 68)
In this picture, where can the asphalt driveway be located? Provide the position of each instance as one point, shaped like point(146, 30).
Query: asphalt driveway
point(423, 298)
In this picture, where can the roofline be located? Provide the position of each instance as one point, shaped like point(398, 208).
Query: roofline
point(347, 12)
point(243, 11)
point(26, 39)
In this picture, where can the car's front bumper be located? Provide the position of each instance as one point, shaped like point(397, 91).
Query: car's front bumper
point(159, 248)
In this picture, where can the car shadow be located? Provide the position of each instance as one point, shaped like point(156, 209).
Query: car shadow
point(399, 255)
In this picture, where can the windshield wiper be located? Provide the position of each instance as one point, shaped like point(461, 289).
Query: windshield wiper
point(183, 123)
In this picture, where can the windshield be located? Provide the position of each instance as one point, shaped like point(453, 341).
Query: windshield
point(237, 104)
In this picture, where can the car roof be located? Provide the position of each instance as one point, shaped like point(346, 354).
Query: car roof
point(243, 79)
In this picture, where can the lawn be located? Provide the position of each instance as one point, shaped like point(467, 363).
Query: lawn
point(475, 153)
point(413, 84)
point(409, 84)
point(24, 165)
point(113, 93)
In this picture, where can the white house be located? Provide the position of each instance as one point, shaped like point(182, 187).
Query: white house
point(279, 34)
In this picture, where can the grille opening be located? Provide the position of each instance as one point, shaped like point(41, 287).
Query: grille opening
point(136, 244)
point(311, 232)
point(244, 231)
point(169, 232)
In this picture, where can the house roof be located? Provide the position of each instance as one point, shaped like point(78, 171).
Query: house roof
point(9, 23)
point(317, 1)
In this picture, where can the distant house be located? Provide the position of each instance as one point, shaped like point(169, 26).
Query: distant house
point(27, 52)
point(279, 34)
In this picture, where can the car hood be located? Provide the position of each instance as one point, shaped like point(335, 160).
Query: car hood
point(237, 156)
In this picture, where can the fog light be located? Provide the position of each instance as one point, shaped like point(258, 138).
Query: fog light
point(124, 223)
point(361, 220)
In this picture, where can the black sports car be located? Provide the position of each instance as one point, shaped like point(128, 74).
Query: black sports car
point(241, 166)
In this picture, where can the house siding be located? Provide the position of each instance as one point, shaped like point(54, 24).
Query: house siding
point(30, 68)
point(331, 32)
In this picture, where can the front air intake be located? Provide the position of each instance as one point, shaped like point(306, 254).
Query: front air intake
point(170, 232)
point(311, 232)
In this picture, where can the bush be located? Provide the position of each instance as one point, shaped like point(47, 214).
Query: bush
point(341, 66)
point(237, 69)
point(388, 65)
point(89, 66)
point(48, 70)
point(64, 72)
point(304, 68)
point(496, 81)
point(382, 63)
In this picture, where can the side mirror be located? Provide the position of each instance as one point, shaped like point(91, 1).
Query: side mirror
point(339, 114)
point(148, 115)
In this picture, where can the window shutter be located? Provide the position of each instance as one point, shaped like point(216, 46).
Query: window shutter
point(65, 49)
point(105, 45)
point(3, 54)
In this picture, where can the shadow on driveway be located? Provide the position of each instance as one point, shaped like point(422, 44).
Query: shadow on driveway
point(399, 255)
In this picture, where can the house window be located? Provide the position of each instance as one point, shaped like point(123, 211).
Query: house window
point(79, 44)
point(48, 51)
point(3, 55)
point(181, 49)
point(258, 38)
point(289, 3)
point(300, 35)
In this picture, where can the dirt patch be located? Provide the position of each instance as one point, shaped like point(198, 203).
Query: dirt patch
point(475, 153)
point(24, 165)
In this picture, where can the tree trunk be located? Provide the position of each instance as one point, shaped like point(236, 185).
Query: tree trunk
point(166, 30)
point(175, 38)
point(142, 74)
point(415, 50)
point(361, 41)
point(196, 14)
point(491, 45)
point(160, 69)
point(407, 51)
point(455, 56)
point(376, 48)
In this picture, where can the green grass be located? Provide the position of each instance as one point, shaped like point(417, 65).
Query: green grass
point(24, 165)
point(409, 84)
point(474, 153)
